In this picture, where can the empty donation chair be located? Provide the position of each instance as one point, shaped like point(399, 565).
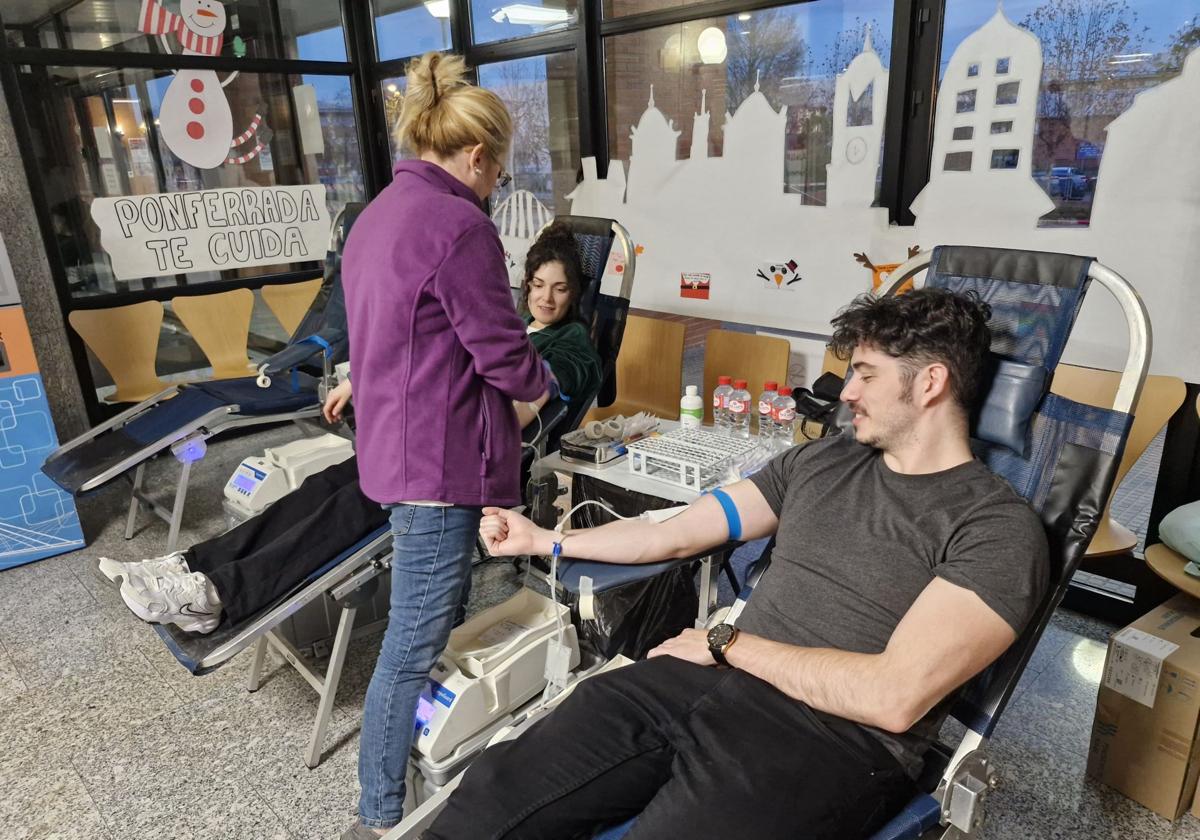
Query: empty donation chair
point(1060, 455)
point(181, 418)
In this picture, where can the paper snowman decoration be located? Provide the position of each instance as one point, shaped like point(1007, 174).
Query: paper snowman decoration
point(195, 120)
point(779, 274)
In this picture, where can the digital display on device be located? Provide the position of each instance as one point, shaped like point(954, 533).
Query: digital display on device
point(244, 482)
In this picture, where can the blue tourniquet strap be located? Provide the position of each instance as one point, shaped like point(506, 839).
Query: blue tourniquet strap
point(731, 513)
point(316, 339)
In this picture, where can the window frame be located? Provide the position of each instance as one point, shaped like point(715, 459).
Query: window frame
point(915, 52)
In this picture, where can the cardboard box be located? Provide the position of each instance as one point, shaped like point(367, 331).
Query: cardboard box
point(1144, 740)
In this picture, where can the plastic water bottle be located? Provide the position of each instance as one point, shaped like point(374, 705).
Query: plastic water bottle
point(784, 417)
point(721, 404)
point(691, 408)
point(739, 410)
point(766, 408)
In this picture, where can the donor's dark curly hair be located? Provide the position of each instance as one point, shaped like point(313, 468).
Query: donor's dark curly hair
point(556, 244)
point(919, 328)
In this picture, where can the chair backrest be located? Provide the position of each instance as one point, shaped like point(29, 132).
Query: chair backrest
point(1161, 397)
point(755, 358)
point(323, 327)
point(650, 367)
point(220, 324)
point(125, 341)
point(1067, 469)
point(290, 302)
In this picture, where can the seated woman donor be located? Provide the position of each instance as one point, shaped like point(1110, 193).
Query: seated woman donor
point(249, 567)
point(550, 295)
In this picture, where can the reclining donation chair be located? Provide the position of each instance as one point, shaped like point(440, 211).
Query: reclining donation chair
point(182, 418)
point(1058, 454)
point(605, 316)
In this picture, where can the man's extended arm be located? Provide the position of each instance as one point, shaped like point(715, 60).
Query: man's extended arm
point(702, 525)
point(947, 636)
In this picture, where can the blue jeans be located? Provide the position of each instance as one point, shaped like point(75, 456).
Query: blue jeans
point(431, 576)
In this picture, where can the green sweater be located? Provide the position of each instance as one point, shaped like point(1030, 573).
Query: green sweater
point(568, 348)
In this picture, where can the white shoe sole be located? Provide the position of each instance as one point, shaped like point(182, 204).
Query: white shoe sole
point(200, 625)
point(112, 572)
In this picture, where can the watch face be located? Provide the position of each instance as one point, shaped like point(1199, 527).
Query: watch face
point(720, 635)
point(856, 150)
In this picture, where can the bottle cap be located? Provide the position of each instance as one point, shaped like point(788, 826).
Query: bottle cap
point(740, 384)
point(691, 390)
point(785, 391)
point(770, 386)
point(724, 380)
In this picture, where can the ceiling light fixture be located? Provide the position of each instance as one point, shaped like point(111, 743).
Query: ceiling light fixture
point(529, 15)
point(711, 45)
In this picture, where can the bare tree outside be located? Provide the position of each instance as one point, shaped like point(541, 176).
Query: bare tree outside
point(1185, 39)
point(1084, 82)
point(764, 50)
point(523, 90)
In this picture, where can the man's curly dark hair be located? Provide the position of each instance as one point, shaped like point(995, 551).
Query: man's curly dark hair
point(919, 328)
point(556, 244)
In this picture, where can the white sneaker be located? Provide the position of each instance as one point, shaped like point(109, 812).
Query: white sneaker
point(189, 601)
point(169, 564)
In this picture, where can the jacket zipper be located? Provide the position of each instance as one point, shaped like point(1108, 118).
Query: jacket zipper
point(486, 429)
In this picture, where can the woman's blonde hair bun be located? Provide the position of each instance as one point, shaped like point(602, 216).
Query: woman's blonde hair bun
point(444, 113)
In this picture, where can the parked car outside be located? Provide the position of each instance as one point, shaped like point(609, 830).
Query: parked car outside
point(1068, 182)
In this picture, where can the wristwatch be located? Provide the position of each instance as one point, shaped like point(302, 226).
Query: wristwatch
point(720, 640)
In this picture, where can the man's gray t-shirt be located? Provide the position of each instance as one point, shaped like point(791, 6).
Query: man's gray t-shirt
point(857, 543)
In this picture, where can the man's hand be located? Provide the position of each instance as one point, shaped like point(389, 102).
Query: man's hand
point(509, 534)
point(691, 646)
point(335, 401)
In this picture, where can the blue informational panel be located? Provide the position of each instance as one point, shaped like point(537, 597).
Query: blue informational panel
point(37, 519)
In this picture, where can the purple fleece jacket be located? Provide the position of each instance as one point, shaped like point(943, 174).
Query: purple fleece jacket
point(437, 351)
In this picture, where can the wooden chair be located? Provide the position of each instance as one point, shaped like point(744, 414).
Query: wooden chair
point(755, 358)
point(1168, 564)
point(1161, 397)
point(290, 302)
point(649, 370)
point(220, 324)
point(125, 341)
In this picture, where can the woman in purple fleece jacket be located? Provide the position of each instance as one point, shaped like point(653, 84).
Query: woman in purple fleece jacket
point(438, 354)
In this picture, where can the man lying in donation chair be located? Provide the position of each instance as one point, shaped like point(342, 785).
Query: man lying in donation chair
point(901, 568)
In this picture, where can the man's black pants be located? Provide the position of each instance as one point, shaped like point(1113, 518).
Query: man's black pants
point(255, 563)
point(697, 752)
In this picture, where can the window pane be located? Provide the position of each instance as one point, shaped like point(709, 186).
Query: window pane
point(393, 99)
point(541, 95)
point(1005, 158)
point(966, 101)
point(493, 20)
point(1006, 94)
point(411, 27)
point(958, 162)
point(964, 132)
point(305, 29)
point(100, 133)
point(824, 65)
point(1096, 57)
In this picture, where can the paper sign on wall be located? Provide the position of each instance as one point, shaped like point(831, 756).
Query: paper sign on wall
point(695, 285)
point(209, 230)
